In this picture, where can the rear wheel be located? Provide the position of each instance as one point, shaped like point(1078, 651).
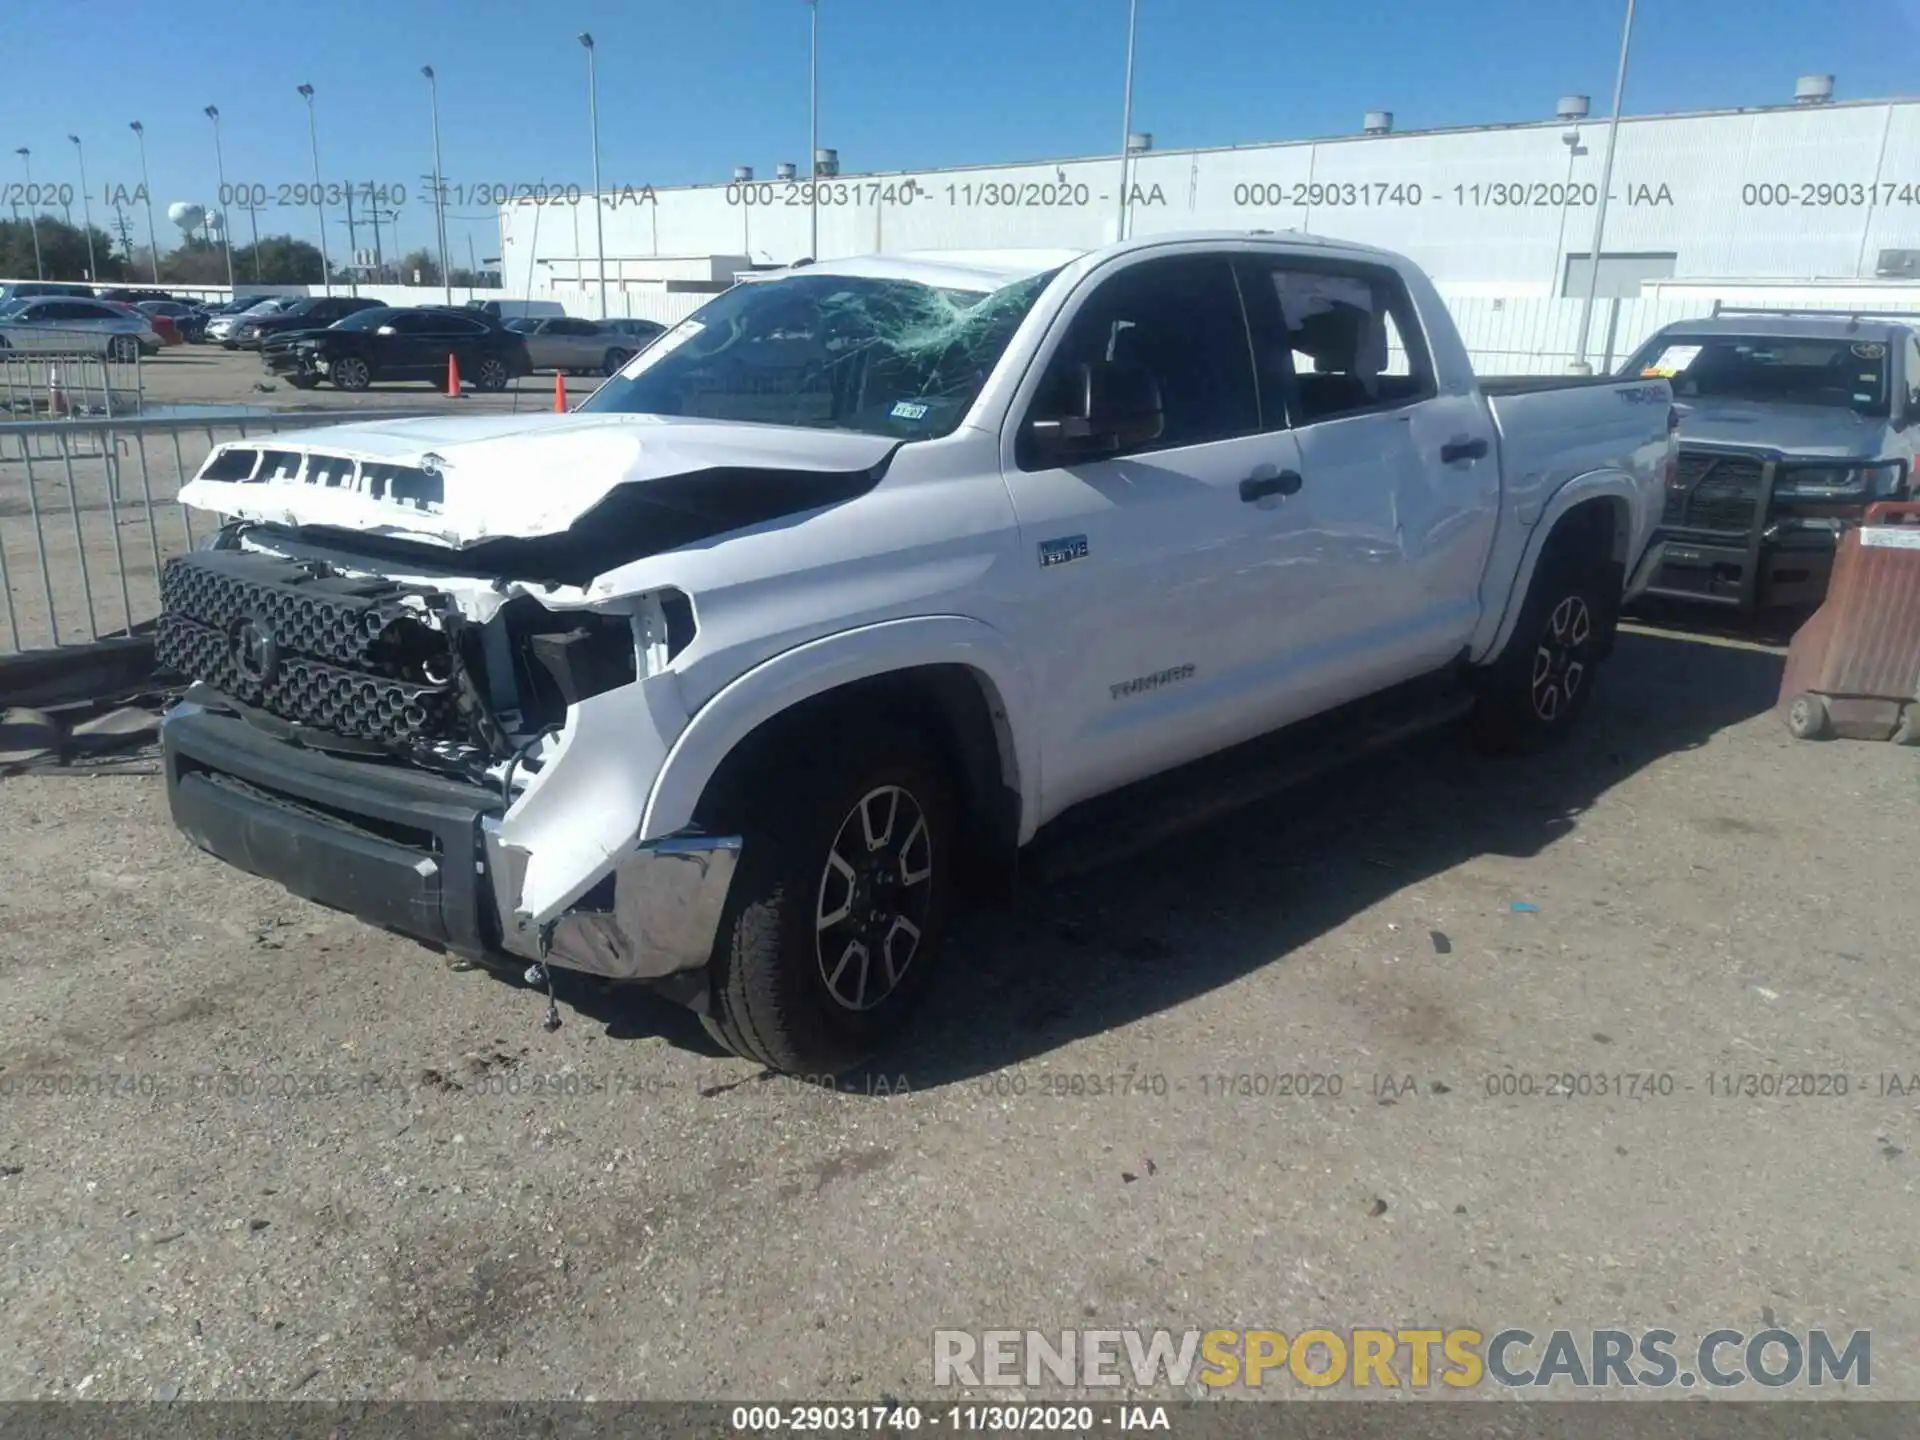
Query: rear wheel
point(492, 374)
point(833, 929)
point(1543, 680)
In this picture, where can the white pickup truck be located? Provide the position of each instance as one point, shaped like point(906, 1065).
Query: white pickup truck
point(871, 575)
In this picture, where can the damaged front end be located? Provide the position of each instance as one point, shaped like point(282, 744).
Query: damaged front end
point(323, 695)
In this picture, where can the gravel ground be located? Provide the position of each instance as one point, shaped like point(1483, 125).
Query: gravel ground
point(310, 1159)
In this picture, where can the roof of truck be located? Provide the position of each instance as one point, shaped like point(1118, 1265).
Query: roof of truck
point(990, 269)
point(1785, 325)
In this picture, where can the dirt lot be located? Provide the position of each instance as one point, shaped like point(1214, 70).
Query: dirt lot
point(306, 1158)
point(205, 374)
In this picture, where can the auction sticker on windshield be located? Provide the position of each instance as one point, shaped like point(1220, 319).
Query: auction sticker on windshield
point(1672, 361)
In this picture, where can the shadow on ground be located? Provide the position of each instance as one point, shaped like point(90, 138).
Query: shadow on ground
point(1064, 962)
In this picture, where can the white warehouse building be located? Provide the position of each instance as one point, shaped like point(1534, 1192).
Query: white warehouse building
point(1803, 200)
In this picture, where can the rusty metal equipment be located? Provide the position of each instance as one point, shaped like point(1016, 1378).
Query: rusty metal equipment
point(1853, 670)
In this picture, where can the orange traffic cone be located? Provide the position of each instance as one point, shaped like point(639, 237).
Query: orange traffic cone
point(559, 393)
point(453, 377)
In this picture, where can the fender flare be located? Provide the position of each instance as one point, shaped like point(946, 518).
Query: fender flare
point(773, 686)
point(1610, 484)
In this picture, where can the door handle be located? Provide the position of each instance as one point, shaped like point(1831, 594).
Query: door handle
point(1461, 448)
point(1258, 487)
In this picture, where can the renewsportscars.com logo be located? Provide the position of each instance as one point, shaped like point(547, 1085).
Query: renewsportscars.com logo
point(1402, 1358)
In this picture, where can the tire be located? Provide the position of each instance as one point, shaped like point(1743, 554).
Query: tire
point(350, 373)
point(303, 382)
point(123, 349)
point(1809, 719)
point(615, 358)
point(1542, 682)
point(492, 375)
point(813, 998)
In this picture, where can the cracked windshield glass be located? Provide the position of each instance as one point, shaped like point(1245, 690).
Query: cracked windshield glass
point(833, 352)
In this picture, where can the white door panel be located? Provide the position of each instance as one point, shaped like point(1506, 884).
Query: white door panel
point(1156, 646)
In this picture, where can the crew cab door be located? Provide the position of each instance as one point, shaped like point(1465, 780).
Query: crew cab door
point(1159, 578)
point(1400, 477)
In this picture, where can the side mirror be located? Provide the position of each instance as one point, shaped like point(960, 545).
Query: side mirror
point(1110, 407)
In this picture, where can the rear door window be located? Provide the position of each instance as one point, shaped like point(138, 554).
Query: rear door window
point(1344, 337)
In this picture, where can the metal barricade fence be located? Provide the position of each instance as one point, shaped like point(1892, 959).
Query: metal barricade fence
point(89, 514)
point(56, 373)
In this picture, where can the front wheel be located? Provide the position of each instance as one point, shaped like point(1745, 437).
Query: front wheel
point(124, 349)
point(351, 373)
point(615, 358)
point(833, 929)
point(1543, 680)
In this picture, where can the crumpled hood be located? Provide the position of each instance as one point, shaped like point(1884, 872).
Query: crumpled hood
point(458, 481)
point(1813, 431)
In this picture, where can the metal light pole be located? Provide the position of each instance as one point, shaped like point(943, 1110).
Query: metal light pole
point(1580, 365)
point(813, 128)
point(33, 223)
point(212, 113)
point(313, 140)
point(153, 245)
point(593, 117)
point(439, 189)
point(1126, 128)
point(86, 209)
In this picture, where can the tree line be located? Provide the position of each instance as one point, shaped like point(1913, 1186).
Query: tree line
point(275, 260)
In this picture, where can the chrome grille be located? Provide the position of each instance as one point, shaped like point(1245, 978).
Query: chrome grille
point(1714, 492)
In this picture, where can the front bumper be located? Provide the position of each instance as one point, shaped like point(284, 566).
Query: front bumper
point(420, 854)
point(1785, 572)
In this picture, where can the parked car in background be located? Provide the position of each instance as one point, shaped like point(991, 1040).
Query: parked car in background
point(516, 309)
point(575, 347)
point(889, 570)
point(316, 312)
point(130, 296)
point(94, 326)
point(37, 289)
point(222, 326)
point(168, 332)
point(189, 320)
point(642, 332)
point(400, 344)
point(1793, 423)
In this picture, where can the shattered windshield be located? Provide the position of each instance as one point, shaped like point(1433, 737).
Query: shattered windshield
point(831, 352)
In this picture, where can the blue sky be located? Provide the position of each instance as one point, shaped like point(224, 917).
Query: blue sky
point(687, 91)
